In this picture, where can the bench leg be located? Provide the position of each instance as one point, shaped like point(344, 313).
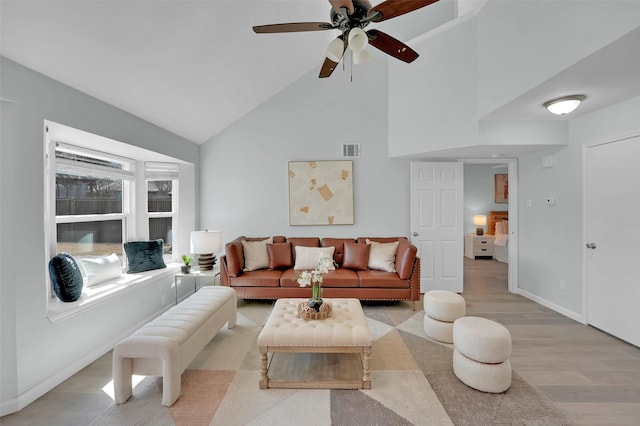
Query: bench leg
point(154, 347)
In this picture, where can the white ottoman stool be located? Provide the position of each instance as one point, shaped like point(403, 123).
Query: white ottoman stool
point(481, 354)
point(441, 309)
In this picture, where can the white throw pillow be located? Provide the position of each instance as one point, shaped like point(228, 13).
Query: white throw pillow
point(255, 254)
point(100, 269)
point(382, 256)
point(307, 257)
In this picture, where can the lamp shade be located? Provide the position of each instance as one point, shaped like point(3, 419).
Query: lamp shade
point(358, 39)
point(335, 50)
point(206, 242)
point(480, 220)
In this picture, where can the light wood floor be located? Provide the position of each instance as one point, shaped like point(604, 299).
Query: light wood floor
point(593, 377)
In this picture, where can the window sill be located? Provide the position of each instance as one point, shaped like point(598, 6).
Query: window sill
point(103, 292)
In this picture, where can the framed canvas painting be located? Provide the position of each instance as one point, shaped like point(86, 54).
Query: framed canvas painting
point(321, 193)
point(501, 188)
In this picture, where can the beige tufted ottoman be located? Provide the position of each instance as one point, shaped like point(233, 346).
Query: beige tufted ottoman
point(481, 354)
point(346, 331)
point(441, 309)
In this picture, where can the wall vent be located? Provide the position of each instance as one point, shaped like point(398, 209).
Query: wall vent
point(350, 150)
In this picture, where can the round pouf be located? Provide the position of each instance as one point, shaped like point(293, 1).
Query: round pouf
point(441, 309)
point(481, 354)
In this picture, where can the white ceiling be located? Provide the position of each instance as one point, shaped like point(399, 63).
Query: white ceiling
point(190, 67)
point(195, 67)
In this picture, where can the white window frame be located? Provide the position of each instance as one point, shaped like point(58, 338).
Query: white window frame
point(163, 171)
point(134, 212)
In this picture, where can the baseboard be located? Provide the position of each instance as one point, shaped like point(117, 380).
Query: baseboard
point(17, 404)
point(544, 302)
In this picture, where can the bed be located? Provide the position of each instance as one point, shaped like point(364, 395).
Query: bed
point(499, 227)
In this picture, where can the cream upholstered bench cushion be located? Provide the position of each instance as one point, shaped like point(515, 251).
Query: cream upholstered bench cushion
point(444, 305)
point(482, 340)
point(167, 345)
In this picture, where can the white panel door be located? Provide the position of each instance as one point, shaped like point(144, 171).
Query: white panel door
point(436, 224)
point(613, 238)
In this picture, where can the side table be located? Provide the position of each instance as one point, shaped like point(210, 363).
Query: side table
point(200, 279)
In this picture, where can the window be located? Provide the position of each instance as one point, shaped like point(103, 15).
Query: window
point(91, 214)
point(160, 179)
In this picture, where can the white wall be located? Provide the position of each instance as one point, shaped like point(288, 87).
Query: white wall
point(36, 354)
point(478, 193)
point(551, 237)
point(244, 169)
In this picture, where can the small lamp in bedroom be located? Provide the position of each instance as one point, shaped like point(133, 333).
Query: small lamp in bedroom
point(205, 244)
point(480, 221)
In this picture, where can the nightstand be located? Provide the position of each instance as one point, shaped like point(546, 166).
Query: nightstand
point(200, 279)
point(478, 246)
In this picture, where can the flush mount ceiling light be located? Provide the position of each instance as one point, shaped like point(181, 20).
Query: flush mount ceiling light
point(564, 105)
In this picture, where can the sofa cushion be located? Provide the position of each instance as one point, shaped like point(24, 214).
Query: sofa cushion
point(234, 257)
point(302, 241)
point(307, 257)
point(340, 278)
point(405, 258)
point(382, 256)
point(255, 254)
point(356, 256)
point(144, 255)
point(259, 278)
point(280, 256)
point(338, 243)
point(380, 279)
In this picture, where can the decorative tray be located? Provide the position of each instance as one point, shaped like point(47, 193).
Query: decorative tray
point(307, 313)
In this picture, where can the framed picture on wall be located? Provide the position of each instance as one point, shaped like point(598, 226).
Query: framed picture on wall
point(321, 193)
point(501, 188)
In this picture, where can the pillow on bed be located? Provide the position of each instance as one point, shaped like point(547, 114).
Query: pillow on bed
point(499, 228)
point(505, 226)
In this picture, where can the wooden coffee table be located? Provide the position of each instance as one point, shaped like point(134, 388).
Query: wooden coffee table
point(345, 332)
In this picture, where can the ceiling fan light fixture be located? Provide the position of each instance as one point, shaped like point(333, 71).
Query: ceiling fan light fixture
point(360, 57)
point(335, 50)
point(358, 39)
point(564, 105)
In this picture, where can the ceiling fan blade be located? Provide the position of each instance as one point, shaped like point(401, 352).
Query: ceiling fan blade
point(327, 68)
point(392, 8)
point(391, 46)
point(292, 27)
point(329, 64)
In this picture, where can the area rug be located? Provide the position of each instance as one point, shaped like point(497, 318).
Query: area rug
point(413, 384)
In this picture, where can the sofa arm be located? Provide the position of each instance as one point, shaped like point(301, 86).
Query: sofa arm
point(414, 280)
point(405, 256)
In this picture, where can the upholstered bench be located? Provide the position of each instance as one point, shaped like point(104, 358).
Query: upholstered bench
point(441, 309)
point(481, 354)
point(168, 344)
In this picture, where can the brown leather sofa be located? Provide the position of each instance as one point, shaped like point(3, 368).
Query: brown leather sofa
point(352, 277)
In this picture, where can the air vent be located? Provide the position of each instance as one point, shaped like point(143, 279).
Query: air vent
point(351, 150)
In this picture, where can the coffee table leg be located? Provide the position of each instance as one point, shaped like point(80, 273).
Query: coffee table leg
point(366, 368)
point(264, 379)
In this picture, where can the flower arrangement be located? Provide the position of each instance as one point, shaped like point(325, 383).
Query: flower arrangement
point(314, 277)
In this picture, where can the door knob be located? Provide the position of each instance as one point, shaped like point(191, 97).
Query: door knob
point(591, 245)
point(415, 234)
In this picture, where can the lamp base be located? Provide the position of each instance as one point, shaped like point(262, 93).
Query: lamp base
point(479, 230)
point(206, 261)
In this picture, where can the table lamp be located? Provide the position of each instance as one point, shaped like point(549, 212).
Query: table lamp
point(480, 221)
point(205, 244)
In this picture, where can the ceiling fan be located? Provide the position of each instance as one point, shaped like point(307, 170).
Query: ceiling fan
point(352, 35)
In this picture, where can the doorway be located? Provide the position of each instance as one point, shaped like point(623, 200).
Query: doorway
point(485, 202)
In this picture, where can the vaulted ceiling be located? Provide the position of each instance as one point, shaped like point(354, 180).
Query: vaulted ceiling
point(195, 67)
point(190, 67)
